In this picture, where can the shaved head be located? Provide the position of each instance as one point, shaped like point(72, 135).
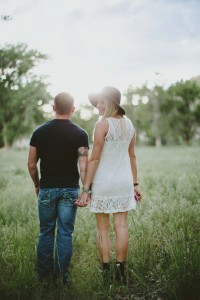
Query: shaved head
point(63, 103)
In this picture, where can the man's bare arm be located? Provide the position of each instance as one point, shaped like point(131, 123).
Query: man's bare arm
point(32, 167)
point(83, 162)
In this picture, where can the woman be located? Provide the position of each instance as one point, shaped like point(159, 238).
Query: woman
point(112, 171)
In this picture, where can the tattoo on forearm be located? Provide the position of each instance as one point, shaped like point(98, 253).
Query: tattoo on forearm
point(82, 151)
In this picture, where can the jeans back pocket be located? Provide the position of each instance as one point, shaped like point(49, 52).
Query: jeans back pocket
point(69, 196)
point(44, 198)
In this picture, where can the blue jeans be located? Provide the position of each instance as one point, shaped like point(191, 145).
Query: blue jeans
point(56, 205)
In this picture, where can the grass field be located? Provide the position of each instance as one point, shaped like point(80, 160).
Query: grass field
point(164, 251)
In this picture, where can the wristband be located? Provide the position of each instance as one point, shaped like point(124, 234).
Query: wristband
point(135, 184)
point(88, 191)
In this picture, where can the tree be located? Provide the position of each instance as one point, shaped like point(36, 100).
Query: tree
point(146, 113)
point(86, 118)
point(6, 17)
point(20, 91)
point(184, 108)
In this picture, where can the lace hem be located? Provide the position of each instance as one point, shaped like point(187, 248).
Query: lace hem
point(112, 205)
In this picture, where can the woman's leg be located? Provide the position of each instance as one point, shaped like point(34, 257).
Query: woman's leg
point(121, 233)
point(103, 238)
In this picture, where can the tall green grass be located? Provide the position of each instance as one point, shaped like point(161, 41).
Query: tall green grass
point(164, 249)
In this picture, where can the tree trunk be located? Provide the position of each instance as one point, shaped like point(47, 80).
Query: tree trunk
point(158, 142)
point(187, 141)
point(5, 138)
point(156, 117)
point(1, 136)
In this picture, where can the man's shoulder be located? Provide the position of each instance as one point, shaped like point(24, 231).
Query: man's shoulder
point(42, 126)
point(79, 128)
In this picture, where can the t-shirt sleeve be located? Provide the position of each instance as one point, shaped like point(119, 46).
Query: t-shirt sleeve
point(33, 140)
point(83, 140)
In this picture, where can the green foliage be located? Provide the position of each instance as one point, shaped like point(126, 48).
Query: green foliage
point(6, 17)
point(160, 116)
point(20, 91)
point(168, 116)
point(86, 118)
point(147, 117)
point(184, 108)
point(164, 248)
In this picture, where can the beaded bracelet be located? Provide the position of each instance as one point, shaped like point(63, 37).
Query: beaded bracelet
point(88, 191)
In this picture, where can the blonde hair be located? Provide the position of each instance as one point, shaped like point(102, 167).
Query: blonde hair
point(111, 108)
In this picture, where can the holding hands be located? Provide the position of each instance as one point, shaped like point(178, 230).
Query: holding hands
point(83, 198)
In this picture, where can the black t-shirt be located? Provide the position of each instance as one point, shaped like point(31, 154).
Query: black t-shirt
point(57, 144)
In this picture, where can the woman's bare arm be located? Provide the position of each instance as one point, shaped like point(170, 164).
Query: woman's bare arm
point(100, 132)
point(133, 163)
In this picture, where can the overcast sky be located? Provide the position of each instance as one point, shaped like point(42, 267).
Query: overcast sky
point(93, 43)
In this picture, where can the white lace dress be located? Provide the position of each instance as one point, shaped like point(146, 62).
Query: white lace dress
point(112, 186)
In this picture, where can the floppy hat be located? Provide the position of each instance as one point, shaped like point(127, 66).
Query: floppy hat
point(110, 92)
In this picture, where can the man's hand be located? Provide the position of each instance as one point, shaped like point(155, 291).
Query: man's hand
point(37, 190)
point(32, 167)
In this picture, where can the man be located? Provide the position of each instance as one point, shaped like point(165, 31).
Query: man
point(59, 145)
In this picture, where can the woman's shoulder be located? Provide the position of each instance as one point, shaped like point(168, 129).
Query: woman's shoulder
point(130, 124)
point(101, 125)
point(102, 122)
point(100, 129)
point(128, 120)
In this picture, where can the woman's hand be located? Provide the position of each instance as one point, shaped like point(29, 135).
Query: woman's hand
point(138, 193)
point(82, 200)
